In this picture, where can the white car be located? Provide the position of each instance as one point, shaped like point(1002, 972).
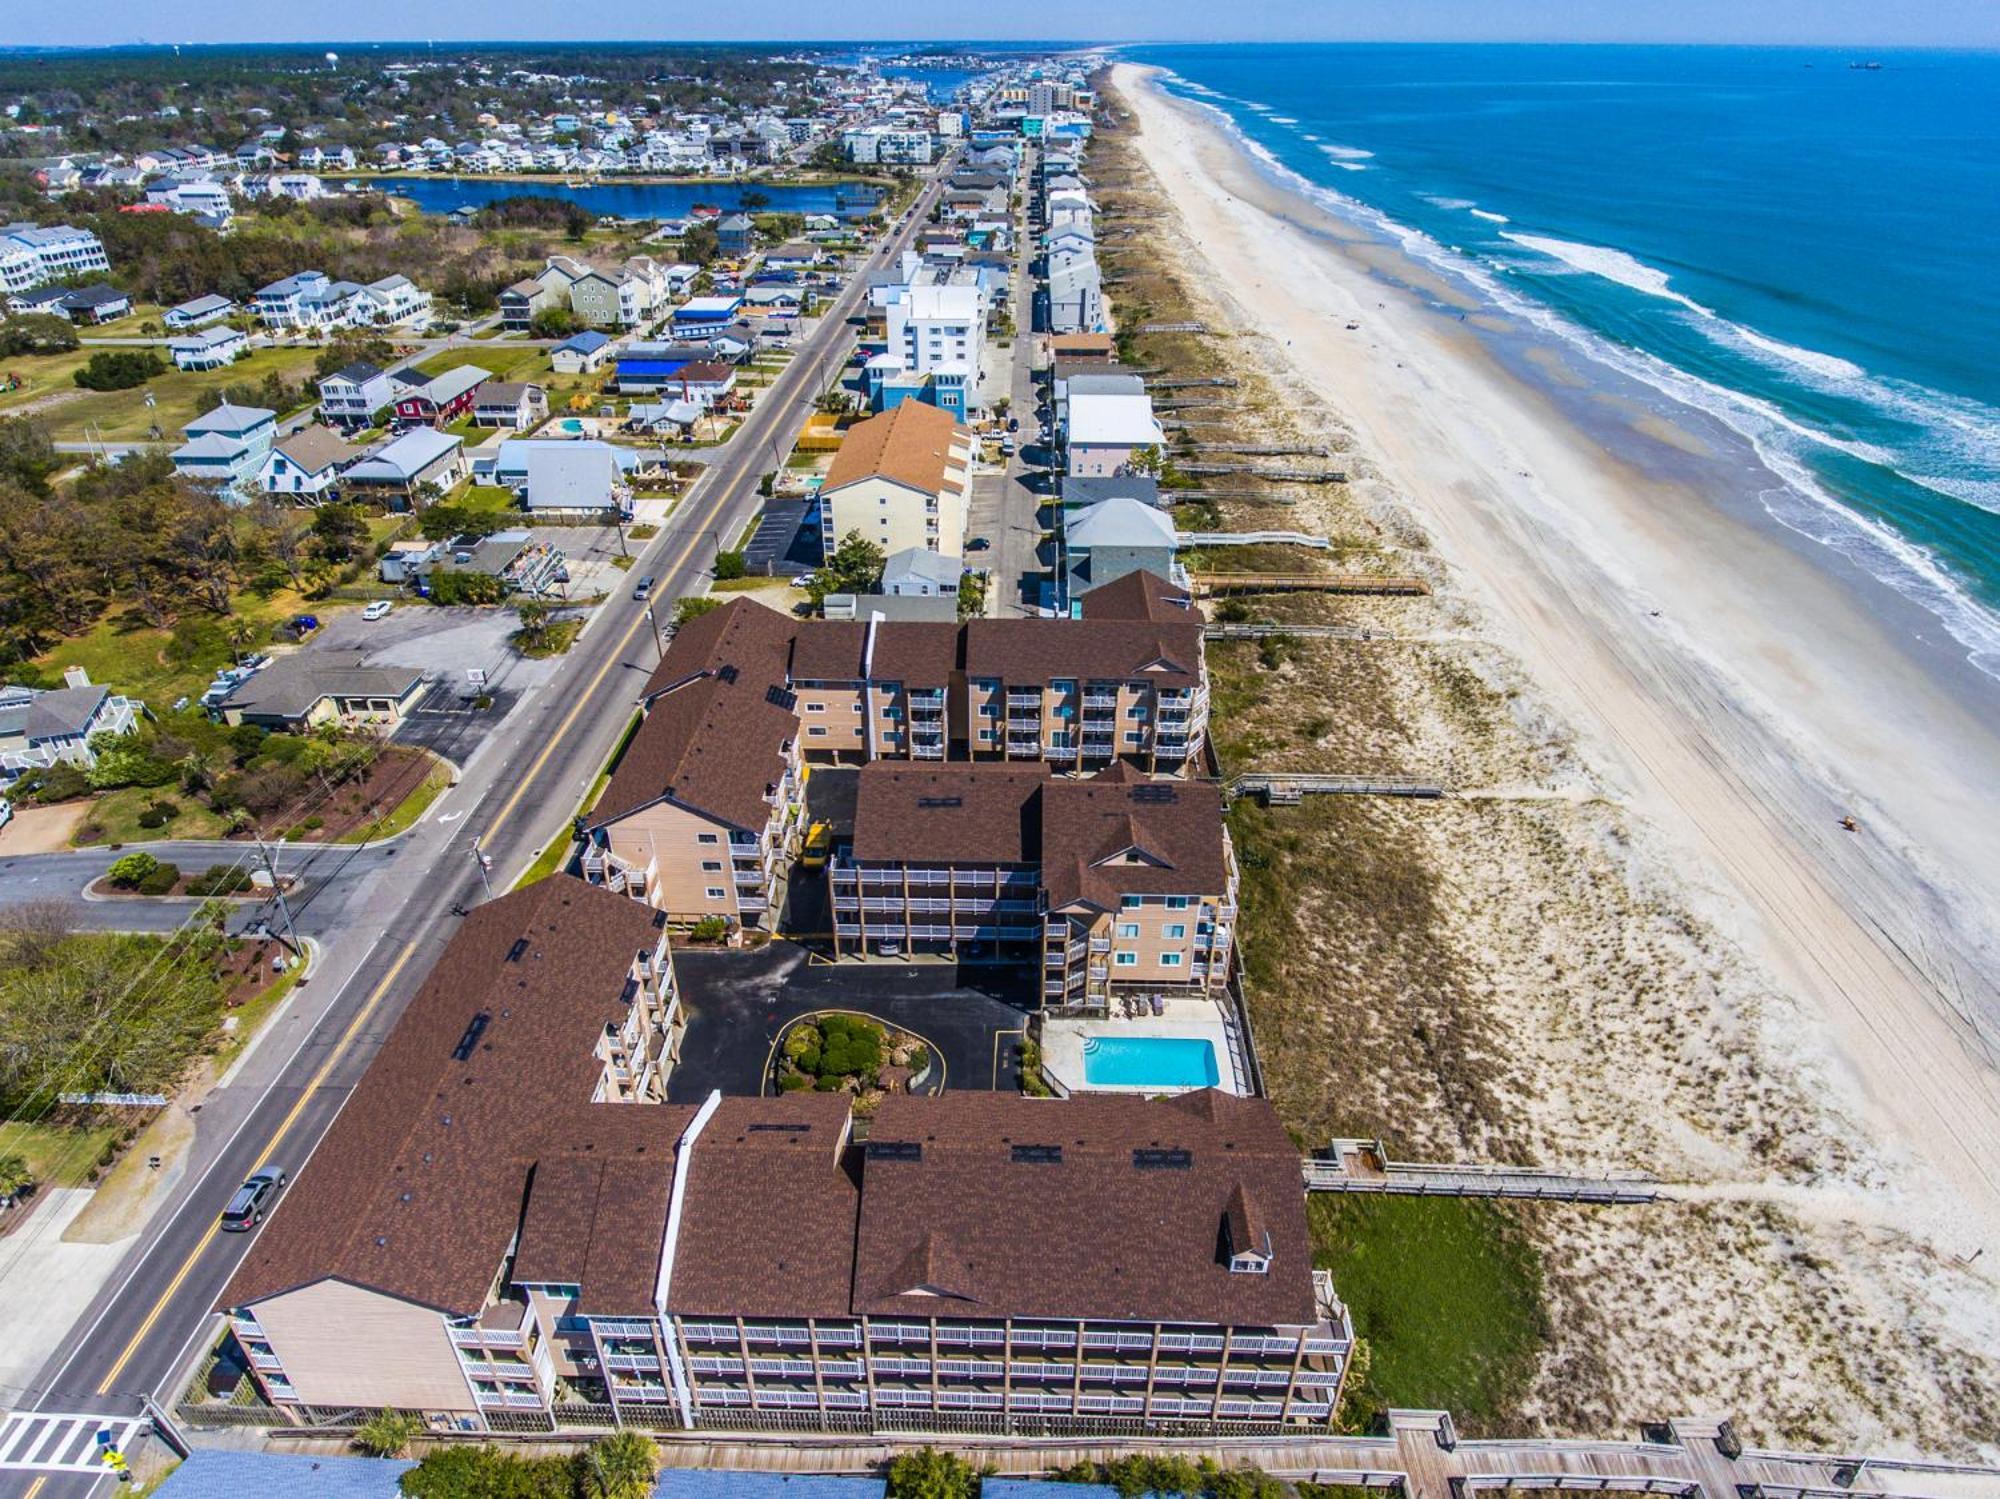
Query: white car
point(377, 609)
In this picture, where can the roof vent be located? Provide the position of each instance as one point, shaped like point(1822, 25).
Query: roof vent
point(514, 953)
point(894, 1150)
point(1162, 1160)
point(1037, 1155)
point(940, 801)
point(1153, 793)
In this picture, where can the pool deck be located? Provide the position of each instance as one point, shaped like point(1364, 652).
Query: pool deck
point(1187, 1019)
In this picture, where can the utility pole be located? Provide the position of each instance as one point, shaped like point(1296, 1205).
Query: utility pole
point(278, 892)
point(659, 646)
point(484, 861)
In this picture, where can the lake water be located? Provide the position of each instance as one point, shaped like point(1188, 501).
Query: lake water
point(659, 200)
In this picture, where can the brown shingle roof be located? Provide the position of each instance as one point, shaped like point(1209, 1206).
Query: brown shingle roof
point(318, 448)
point(1092, 1234)
point(419, 1187)
point(917, 653)
point(1120, 834)
point(910, 444)
point(767, 1227)
point(1039, 650)
point(1140, 595)
point(965, 813)
point(713, 738)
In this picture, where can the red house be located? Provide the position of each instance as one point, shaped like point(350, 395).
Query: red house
point(442, 400)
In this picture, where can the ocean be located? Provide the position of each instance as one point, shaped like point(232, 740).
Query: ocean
point(1801, 248)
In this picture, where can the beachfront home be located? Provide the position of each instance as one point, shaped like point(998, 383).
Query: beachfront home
point(199, 312)
point(31, 254)
point(901, 479)
point(1102, 542)
point(209, 349)
point(396, 300)
point(1105, 433)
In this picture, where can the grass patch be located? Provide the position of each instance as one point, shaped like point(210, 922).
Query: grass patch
point(749, 585)
point(500, 361)
point(251, 1015)
point(122, 415)
point(1448, 1294)
point(494, 497)
point(557, 637)
point(58, 1156)
point(114, 817)
point(405, 813)
point(552, 860)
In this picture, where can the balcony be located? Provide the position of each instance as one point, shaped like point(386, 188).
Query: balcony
point(267, 1361)
point(1100, 945)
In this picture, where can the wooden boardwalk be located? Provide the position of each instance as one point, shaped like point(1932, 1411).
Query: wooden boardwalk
point(1282, 475)
point(1267, 629)
point(1282, 789)
point(1422, 1456)
point(1253, 538)
point(1350, 583)
point(1364, 1166)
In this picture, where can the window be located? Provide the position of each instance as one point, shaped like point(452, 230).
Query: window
point(986, 734)
point(1128, 959)
point(815, 707)
point(716, 892)
point(1132, 902)
point(815, 732)
point(1177, 902)
point(707, 838)
point(1135, 738)
point(1170, 960)
point(1137, 711)
point(713, 866)
point(1128, 928)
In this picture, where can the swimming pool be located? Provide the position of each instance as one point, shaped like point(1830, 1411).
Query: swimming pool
point(1149, 1062)
point(569, 424)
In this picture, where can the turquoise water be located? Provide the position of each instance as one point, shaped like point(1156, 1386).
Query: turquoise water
point(569, 424)
point(658, 200)
point(1801, 249)
point(1149, 1062)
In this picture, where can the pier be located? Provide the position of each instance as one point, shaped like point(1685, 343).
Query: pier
point(1269, 631)
point(1286, 789)
point(1283, 475)
point(1364, 1166)
point(1351, 583)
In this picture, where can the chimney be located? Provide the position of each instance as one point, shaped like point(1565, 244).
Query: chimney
point(75, 676)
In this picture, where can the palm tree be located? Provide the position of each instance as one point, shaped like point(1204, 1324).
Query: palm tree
point(387, 1433)
point(534, 617)
point(15, 1177)
point(240, 632)
point(624, 1465)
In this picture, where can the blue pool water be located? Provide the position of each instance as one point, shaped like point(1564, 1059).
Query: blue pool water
point(1149, 1062)
point(569, 424)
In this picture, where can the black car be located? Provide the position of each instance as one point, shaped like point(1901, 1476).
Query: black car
point(978, 544)
point(1013, 424)
point(253, 1200)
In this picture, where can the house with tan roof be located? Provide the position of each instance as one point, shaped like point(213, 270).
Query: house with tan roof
point(306, 466)
point(901, 479)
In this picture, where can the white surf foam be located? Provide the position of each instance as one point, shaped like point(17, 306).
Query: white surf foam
point(1348, 153)
point(1283, 120)
point(1801, 504)
point(1452, 203)
point(1491, 218)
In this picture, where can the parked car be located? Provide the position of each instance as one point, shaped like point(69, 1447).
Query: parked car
point(377, 609)
point(818, 844)
point(979, 544)
point(253, 1201)
point(643, 589)
point(1013, 424)
point(303, 625)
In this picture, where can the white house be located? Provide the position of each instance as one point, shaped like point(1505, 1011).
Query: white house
point(311, 300)
point(41, 728)
point(31, 254)
point(397, 299)
point(1104, 431)
point(209, 349)
point(933, 326)
point(307, 465)
point(350, 397)
point(199, 313)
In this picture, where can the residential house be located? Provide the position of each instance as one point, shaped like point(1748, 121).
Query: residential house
point(355, 396)
point(1104, 433)
point(396, 300)
point(40, 728)
point(572, 476)
point(918, 572)
point(1102, 542)
point(210, 349)
point(73, 304)
point(506, 462)
point(315, 688)
point(509, 403)
point(901, 479)
point(581, 354)
point(676, 417)
point(520, 302)
point(306, 466)
point(400, 468)
point(310, 300)
point(199, 313)
point(1078, 492)
point(699, 316)
point(793, 255)
point(736, 236)
point(441, 399)
point(226, 447)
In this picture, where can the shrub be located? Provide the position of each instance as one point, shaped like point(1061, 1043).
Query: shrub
point(128, 871)
point(388, 1433)
point(709, 929)
point(158, 814)
point(119, 369)
point(694, 608)
point(450, 586)
point(220, 879)
point(730, 565)
point(930, 1474)
point(161, 881)
point(60, 783)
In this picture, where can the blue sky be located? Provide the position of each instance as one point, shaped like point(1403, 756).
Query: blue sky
point(1880, 23)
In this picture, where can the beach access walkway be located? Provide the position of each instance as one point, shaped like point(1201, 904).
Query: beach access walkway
point(1364, 1166)
point(1210, 584)
point(1288, 789)
point(1422, 1457)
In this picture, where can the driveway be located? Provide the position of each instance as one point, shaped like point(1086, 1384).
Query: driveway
point(737, 1002)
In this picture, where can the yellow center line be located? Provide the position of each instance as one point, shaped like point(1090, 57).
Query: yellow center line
point(277, 1137)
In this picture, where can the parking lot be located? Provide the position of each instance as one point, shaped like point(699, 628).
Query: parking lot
point(589, 550)
point(737, 1002)
point(783, 544)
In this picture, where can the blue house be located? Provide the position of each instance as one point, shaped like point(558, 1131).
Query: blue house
point(889, 382)
point(226, 446)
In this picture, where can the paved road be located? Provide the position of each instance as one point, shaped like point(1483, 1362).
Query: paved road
point(518, 791)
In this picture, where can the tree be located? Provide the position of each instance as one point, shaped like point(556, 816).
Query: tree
point(856, 567)
point(443, 522)
point(553, 322)
point(338, 532)
point(388, 1433)
point(15, 1177)
point(730, 566)
point(534, 617)
point(37, 333)
point(700, 244)
point(131, 870)
point(119, 369)
point(624, 1465)
point(930, 1474)
point(240, 633)
point(353, 346)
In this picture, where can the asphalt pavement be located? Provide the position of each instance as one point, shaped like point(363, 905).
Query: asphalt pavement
point(384, 927)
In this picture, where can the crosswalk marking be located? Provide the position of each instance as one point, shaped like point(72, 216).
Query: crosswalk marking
point(55, 1442)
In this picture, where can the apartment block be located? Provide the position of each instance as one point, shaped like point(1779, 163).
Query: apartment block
point(494, 1236)
point(902, 479)
point(31, 255)
point(1113, 885)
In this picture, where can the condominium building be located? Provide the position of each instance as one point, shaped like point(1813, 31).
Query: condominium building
point(501, 1232)
point(901, 479)
point(32, 254)
point(312, 300)
point(1118, 884)
point(938, 327)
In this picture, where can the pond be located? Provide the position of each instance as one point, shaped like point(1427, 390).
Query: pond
point(626, 200)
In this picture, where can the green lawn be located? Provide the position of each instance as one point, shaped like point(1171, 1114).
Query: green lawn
point(114, 817)
point(57, 1157)
point(552, 860)
point(1447, 1293)
point(501, 361)
point(122, 415)
point(487, 497)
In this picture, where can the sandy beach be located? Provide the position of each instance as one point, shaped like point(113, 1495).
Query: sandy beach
point(1732, 696)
